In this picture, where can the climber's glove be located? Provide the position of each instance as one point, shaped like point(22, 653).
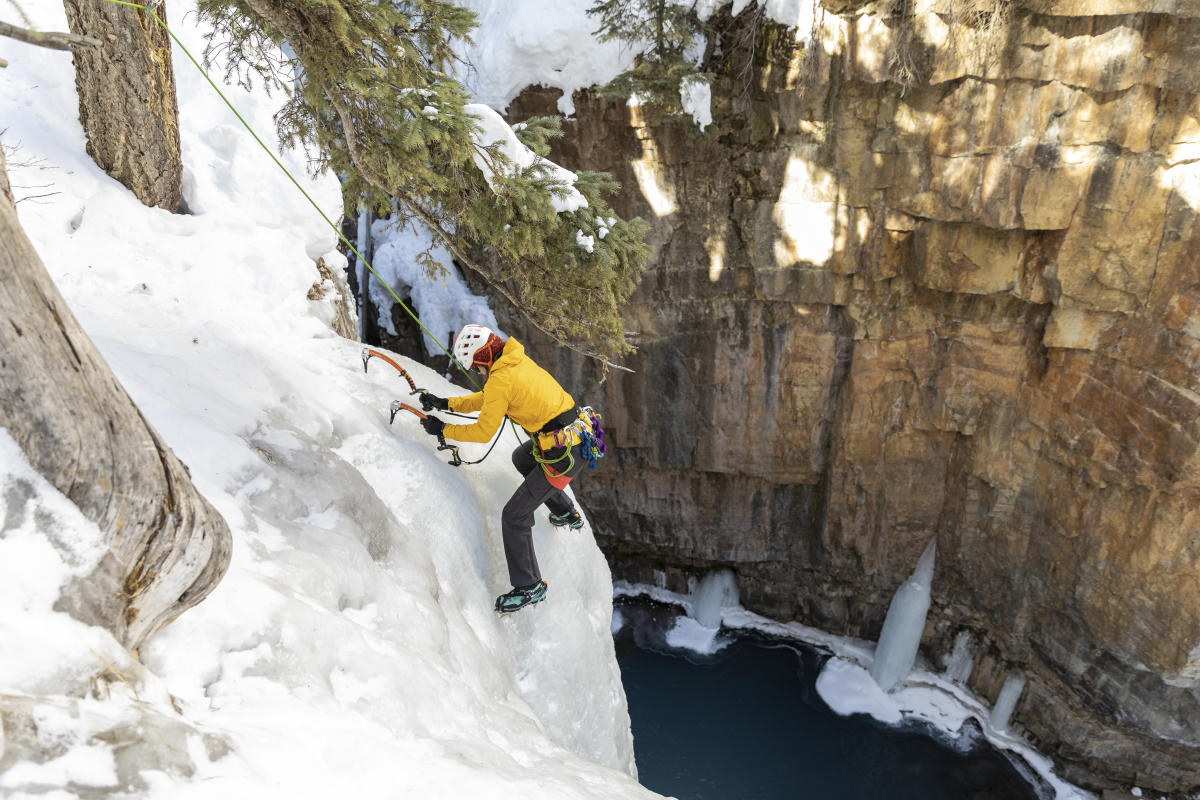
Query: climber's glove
point(432, 425)
point(432, 401)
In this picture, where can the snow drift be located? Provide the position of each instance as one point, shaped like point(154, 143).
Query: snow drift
point(351, 650)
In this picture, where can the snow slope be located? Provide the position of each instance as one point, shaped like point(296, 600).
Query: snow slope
point(352, 649)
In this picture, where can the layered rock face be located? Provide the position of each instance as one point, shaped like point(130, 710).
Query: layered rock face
point(966, 308)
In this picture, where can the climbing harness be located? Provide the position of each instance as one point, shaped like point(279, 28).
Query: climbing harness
point(593, 438)
point(584, 430)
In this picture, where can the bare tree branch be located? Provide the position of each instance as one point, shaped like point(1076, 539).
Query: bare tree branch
point(51, 39)
point(34, 197)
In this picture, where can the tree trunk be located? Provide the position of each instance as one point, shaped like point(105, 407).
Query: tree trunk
point(127, 99)
point(167, 547)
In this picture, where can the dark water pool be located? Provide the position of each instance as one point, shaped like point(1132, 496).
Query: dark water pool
point(748, 724)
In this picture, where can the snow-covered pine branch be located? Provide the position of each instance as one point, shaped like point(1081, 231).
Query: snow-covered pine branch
point(391, 119)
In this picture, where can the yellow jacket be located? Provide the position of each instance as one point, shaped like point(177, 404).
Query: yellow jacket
point(517, 387)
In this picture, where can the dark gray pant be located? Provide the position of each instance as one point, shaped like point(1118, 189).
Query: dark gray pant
point(517, 519)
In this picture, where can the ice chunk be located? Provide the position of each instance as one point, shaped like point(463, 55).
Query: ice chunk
point(848, 689)
point(688, 634)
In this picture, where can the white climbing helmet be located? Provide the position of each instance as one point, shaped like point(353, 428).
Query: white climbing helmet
point(473, 338)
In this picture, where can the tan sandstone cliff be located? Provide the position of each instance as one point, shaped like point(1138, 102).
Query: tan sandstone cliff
point(967, 308)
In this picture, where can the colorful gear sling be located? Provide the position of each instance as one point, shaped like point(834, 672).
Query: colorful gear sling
point(587, 429)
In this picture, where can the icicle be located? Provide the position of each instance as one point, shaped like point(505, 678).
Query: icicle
point(718, 590)
point(901, 635)
point(1010, 693)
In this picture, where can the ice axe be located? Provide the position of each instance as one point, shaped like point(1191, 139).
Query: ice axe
point(399, 405)
point(368, 354)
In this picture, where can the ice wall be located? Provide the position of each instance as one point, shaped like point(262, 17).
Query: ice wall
point(699, 629)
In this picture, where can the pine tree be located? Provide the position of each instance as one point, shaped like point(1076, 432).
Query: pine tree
point(670, 33)
point(369, 86)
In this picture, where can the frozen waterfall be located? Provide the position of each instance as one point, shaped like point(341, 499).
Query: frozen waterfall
point(901, 635)
point(961, 660)
point(698, 630)
point(1010, 693)
point(716, 591)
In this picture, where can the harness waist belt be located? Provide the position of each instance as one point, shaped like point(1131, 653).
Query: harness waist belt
point(561, 421)
point(562, 431)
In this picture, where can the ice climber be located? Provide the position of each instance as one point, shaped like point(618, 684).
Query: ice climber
point(562, 439)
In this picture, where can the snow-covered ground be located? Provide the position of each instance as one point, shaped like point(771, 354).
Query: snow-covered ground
point(352, 650)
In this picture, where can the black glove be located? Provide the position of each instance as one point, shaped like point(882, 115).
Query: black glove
point(432, 425)
point(429, 401)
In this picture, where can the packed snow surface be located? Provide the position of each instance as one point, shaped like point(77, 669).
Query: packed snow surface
point(352, 649)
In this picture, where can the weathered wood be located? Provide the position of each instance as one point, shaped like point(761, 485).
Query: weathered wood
point(127, 102)
point(50, 39)
point(167, 547)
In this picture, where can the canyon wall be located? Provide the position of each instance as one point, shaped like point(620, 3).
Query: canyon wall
point(933, 274)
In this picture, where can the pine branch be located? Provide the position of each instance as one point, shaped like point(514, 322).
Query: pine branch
point(354, 147)
point(378, 107)
point(529, 313)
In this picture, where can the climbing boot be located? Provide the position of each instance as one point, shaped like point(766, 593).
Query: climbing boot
point(520, 597)
point(570, 520)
